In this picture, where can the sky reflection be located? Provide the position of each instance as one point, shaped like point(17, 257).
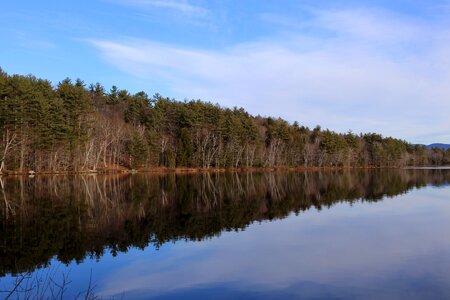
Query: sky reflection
point(386, 249)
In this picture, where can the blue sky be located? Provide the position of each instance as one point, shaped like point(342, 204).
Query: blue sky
point(368, 66)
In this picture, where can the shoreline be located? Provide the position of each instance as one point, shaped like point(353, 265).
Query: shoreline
point(181, 170)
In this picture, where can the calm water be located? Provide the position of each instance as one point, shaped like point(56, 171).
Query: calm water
point(332, 235)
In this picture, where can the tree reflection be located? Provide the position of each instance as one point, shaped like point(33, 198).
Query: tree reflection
point(72, 217)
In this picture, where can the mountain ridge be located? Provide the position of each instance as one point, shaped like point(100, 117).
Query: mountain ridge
point(438, 145)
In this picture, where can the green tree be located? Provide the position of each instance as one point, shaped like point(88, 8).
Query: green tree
point(138, 151)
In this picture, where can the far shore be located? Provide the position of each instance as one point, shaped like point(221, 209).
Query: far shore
point(163, 170)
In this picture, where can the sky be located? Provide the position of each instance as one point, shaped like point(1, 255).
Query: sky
point(367, 66)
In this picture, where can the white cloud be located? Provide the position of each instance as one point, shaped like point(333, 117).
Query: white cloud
point(373, 25)
point(350, 69)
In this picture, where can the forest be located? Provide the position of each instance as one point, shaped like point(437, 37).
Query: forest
point(75, 127)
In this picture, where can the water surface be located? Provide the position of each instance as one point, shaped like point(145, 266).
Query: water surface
point(339, 235)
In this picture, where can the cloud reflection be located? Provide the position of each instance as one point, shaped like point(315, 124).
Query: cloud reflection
point(367, 247)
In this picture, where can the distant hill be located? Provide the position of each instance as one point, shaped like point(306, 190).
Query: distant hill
point(439, 145)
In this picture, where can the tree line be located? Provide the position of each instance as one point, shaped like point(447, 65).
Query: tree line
point(77, 127)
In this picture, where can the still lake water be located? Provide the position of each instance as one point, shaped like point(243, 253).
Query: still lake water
point(381, 234)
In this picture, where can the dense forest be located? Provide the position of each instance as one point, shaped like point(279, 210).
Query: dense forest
point(74, 217)
point(75, 127)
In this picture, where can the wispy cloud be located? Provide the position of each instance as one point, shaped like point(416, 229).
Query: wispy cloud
point(350, 69)
point(360, 25)
point(28, 41)
point(182, 6)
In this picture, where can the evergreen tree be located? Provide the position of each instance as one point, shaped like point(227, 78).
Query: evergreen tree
point(138, 151)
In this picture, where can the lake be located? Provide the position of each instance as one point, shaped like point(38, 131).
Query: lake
point(353, 234)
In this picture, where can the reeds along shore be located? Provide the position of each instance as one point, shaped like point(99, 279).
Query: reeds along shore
point(73, 127)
